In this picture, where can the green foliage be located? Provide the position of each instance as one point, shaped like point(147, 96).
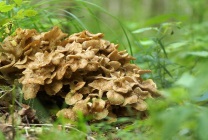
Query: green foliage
point(153, 52)
point(18, 2)
point(5, 8)
point(61, 134)
point(12, 13)
point(2, 136)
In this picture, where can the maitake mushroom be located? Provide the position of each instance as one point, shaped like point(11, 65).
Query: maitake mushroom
point(99, 77)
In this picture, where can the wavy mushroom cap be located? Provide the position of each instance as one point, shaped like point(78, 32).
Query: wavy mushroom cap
point(98, 76)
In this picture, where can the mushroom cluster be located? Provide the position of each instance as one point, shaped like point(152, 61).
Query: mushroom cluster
point(88, 72)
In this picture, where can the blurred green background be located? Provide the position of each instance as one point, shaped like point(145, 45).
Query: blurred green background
point(170, 37)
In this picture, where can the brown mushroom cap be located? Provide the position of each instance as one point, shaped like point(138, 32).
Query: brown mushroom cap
point(72, 99)
point(100, 115)
point(98, 105)
point(30, 90)
point(81, 106)
point(130, 100)
point(140, 105)
point(101, 84)
point(115, 98)
point(67, 113)
point(54, 87)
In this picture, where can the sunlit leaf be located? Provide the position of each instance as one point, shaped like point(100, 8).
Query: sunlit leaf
point(5, 8)
point(18, 2)
point(186, 80)
point(19, 14)
point(145, 29)
point(170, 24)
point(199, 53)
point(173, 47)
point(25, 13)
point(4, 21)
point(147, 42)
point(30, 13)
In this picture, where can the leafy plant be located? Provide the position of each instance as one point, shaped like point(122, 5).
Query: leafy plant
point(154, 54)
point(13, 13)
